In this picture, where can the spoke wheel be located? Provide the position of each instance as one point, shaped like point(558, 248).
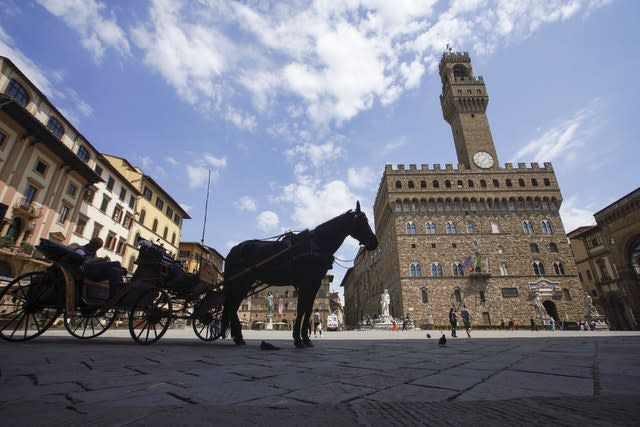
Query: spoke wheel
point(150, 316)
point(207, 325)
point(28, 306)
point(86, 323)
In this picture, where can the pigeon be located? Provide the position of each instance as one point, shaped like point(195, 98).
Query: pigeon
point(428, 335)
point(267, 346)
point(442, 341)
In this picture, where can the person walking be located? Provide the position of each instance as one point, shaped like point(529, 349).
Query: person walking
point(316, 322)
point(466, 319)
point(453, 319)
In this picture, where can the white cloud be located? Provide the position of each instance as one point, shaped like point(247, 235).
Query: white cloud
point(317, 154)
point(574, 216)
point(246, 203)
point(563, 140)
point(267, 221)
point(97, 32)
point(198, 171)
point(362, 178)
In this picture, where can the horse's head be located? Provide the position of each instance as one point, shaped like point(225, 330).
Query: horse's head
point(361, 231)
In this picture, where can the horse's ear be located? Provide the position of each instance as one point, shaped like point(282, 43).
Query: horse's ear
point(358, 206)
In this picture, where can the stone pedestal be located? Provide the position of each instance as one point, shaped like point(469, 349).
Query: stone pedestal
point(269, 324)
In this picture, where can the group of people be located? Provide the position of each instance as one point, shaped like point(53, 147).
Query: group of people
point(466, 320)
point(100, 268)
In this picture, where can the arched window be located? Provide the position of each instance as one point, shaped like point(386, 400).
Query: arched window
point(398, 184)
point(165, 232)
point(436, 269)
point(430, 228)
point(521, 182)
point(155, 225)
point(558, 268)
point(173, 238)
point(470, 228)
point(143, 215)
point(483, 183)
point(423, 184)
point(451, 227)
point(436, 184)
point(504, 270)
point(527, 226)
point(470, 183)
point(534, 247)
point(410, 184)
point(457, 295)
point(546, 226)
point(425, 295)
point(415, 269)
point(496, 183)
point(459, 70)
point(447, 184)
point(55, 127)
point(410, 227)
point(457, 269)
point(553, 247)
point(538, 268)
point(16, 90)
point(567, 294)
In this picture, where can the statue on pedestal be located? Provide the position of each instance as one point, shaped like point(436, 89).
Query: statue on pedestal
point(268, 302)
point(385, 300)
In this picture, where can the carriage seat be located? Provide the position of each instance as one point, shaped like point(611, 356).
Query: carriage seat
point(58, 252)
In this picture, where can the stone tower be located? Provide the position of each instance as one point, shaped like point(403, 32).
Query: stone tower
point(476, 234)
point(464, 102)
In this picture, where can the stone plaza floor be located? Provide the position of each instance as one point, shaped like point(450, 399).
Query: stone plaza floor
point(567, 378)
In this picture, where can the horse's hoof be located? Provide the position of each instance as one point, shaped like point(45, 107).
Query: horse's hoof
point(299, 344)
point(307, 343)
point(239, 341)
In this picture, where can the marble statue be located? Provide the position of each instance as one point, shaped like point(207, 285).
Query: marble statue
point(385, 300)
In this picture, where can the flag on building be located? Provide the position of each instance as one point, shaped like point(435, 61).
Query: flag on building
point(280, 306)
point(467, 262)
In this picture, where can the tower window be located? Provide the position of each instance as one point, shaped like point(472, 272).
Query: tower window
point(436, 184)
point(459, 71)
point(398, 184)
point(423, 184)
point(546, 182)
point(538, 268)
point(508, 183)
point(447, 184)
point(470, 183)
point(521, 182)
point(410, 227)
point(410, 185)
point(483, 183)
point(415, 270)
point(496, 183)
point(425, 295)
point(436, 269)
point(534, 182)
point(430, 228)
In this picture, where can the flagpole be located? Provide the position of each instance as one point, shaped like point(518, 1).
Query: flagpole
point(206, 206)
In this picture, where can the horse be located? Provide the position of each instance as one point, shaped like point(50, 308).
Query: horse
point(300, 260)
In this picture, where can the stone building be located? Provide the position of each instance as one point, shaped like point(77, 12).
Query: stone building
point(477, 234)
point(202, 260)
point(608, 261)
point(253, 311)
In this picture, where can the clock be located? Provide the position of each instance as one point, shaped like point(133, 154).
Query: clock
point(483, 159)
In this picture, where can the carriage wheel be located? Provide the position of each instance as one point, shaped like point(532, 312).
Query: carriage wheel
point(28, 306)
point(207, 325)
point(86, 323)
point(150, 316)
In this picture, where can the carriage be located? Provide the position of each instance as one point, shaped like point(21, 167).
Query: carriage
point(161, 291)
point(157, 294)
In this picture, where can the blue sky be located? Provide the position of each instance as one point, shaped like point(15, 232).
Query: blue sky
point(297, 106)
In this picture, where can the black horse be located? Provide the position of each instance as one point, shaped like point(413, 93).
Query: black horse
point(300, 260)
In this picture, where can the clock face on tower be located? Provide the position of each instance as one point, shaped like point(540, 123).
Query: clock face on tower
point(483, 159)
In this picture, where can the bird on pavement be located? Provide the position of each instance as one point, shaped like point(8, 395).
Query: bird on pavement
point(268, 346)
point(442, 341)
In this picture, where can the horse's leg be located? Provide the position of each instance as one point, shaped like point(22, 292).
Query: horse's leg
point(297, 324)
point(230, 312)
point(311, 289)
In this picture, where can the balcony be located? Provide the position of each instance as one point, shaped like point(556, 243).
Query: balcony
point(27, 210)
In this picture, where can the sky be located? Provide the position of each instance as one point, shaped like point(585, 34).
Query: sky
point(295, 107)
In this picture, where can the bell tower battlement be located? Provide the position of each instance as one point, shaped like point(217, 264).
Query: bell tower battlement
point(464, 101)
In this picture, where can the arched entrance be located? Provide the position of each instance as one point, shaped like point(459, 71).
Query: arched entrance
point(552, 311)
point(615, 312)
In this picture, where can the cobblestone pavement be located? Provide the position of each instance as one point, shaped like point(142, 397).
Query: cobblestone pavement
point(349, 378)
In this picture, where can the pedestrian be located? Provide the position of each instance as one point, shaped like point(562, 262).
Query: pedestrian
point(316, 322)
point(453, 319)
point(98, 269)
point(466, 319)
point(320, 329)
point(534, 327)
point(394, 326)
point(511, 325)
